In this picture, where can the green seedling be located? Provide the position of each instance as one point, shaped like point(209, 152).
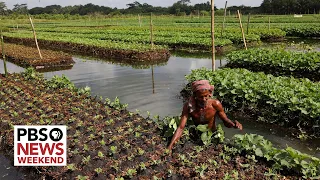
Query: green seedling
point(131, 172)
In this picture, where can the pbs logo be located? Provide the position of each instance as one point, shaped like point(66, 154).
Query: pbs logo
point(56, 134)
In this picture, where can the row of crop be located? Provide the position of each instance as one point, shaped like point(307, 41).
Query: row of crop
point(172, 39)
point(89, 41)
point(302, 31)
point(128, 42)
point(282, 100)
point(278, 62)
point(253, 19)
point(234, 34)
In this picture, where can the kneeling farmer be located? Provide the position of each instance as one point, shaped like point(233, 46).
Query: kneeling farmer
point(202, 109)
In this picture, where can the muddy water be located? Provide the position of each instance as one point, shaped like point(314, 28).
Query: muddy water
point(156, 89)
point(8, 172)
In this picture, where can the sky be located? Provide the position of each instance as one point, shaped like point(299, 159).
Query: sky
point(122, 3)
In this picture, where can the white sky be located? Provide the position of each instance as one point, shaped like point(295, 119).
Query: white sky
point(122, 3)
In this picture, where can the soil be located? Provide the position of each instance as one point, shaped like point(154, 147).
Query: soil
point(119, 142)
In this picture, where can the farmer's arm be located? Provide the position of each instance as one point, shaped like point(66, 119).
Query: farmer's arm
point(226, 121)
point(179, 131)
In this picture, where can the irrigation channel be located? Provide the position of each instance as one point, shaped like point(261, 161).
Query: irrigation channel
point(153, 89)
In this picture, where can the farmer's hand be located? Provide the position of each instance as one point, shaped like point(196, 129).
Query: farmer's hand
point(237, 125)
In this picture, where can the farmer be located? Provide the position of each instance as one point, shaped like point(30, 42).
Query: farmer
point(202, 109)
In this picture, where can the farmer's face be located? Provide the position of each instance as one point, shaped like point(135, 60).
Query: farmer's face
point(202, 97)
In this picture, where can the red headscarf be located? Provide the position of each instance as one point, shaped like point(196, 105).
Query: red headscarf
point(196, 86)
point(201, 85)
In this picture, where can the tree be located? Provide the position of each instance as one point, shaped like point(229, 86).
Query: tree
point(134, 5)
point(20, 9)
point(3, 8)
point(184, 2)
point(180, 7)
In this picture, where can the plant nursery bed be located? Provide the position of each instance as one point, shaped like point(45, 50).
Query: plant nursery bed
point(119, 54)
point(28, 56)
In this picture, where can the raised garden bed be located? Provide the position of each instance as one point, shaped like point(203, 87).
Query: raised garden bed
point(96, 51)
point(28, 56)
point(277, 62)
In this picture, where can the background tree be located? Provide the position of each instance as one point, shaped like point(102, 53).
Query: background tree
point(20, 8)
point(3, 8)
point(290, 6)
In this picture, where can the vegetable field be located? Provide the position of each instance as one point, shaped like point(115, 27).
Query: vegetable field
point(105, 141)
point(278, 62)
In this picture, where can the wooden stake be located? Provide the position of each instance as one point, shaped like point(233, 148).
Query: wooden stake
point(248, 23)
point(153, 91)
point(35, 37)
point(3, 56)
point(224, 17)
point(269, 24)
point(212, 36)
point(151, 31)
point(244, 38)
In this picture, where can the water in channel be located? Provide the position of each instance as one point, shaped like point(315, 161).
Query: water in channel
point(154, 89)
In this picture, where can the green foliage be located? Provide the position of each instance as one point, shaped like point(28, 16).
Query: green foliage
point(171, 124)
point(201, 169)
point(113, 150)
point(206, 135)
point(31, 74)
point(288, 158)
point(60, 82)
point(277, 60)
point(303, 30)
point(116, 104)
point(131, 172)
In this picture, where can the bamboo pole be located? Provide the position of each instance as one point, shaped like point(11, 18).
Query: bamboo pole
point(244, 38)
point(35, 37)
point(3, 56)
point(248, 23)
point(212, 36)
point(153, 91)
point(224, 17)
point(151, 31)
point(139, 20)
point(269, 24)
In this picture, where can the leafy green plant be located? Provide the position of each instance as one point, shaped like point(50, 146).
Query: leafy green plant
point(277, 62)
point(113, 150)
point(98, 170)
point(201, 169)
point(206, 135)
point(116, 103)
point(289, 158)
point(131, 172)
